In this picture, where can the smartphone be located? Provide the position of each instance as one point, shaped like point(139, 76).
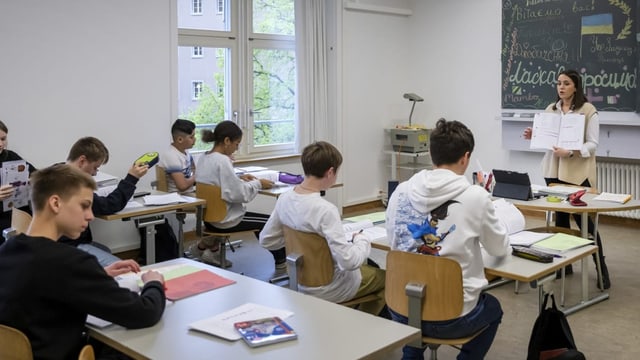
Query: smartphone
point(150, 158)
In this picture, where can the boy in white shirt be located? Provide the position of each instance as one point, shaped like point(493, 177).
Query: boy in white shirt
point(305, 210)
point(439, 213)
point(176, 161)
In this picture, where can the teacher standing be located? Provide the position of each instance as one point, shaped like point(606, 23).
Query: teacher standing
point(564, 166)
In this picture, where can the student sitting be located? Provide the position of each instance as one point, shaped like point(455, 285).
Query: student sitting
point(49, 288)
point(88, 154)
point(216, 167)
point(176, 161)
point(439, 213)
point(7, 190)
point(304, 209)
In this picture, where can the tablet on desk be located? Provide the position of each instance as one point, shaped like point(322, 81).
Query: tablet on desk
point(512, 185)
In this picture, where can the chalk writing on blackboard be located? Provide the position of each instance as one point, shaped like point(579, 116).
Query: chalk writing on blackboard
point(541, 38)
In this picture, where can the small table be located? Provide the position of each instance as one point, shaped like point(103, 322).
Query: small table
point(146, 217)
point(325, 330)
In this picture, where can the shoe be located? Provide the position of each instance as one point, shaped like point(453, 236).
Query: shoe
point(568, 270)
point(213, 258)
point(195, 251)
point(281, 266)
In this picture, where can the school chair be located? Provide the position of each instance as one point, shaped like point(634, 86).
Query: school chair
point(20, 221)
point(161, 179)
point(87, 353)
point(424, 287)
point(309, 263)
point(14, 344)
point(216, 211)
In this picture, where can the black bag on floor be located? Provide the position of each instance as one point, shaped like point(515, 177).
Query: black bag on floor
point(551, 337)
point(166, 243)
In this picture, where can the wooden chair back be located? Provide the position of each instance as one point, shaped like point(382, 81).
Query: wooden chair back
point(216, 209)
point(20, 220)
point(441, 276)
point(161, 179)
point(87, 353)
point(14, 344)
point(317, 265)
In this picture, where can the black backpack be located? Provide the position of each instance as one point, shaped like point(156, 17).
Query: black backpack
point(551, 337)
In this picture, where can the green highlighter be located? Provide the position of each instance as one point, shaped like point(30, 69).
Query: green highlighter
point(150, 158)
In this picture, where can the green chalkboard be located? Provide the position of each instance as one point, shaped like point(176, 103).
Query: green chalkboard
point(598, 38)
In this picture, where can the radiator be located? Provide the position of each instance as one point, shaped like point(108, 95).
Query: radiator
point(621, 179)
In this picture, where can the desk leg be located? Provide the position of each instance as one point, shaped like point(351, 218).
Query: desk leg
point(180, 216)
point(199, 215)
point(585, 291)
point(149, 223)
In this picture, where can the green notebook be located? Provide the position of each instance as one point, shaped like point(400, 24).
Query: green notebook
point(560, 243)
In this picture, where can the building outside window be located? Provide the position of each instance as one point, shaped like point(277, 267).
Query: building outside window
point(196, 7)
point(197, 52)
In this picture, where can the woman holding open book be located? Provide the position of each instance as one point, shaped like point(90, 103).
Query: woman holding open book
point(563, 166)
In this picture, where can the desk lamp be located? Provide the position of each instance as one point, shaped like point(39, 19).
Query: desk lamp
point(413, 98)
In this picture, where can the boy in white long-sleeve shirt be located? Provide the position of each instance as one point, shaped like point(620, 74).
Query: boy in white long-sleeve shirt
point(438, 212)
point(305, 210)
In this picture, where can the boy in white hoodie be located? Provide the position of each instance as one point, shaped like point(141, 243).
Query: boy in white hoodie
point(454, 218)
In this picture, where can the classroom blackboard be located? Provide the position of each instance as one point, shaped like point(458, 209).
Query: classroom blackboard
point(598, 38)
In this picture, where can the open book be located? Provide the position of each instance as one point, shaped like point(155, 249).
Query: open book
point(551, 130)
point(514, 222)
point(367, 228)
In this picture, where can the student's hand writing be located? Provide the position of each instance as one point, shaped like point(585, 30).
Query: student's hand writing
point(138, 170)
point(266, 184)
point(6, 191)
point(527, 133)
point(152, 276)
point(247, 177)
point(122, 267)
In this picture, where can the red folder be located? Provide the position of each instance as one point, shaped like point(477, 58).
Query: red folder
point(194, 283)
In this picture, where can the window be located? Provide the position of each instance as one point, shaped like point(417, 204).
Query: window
point(220, 6)
point(196, 7)
point(251, 79)
point(196, 92)
point(197, 52)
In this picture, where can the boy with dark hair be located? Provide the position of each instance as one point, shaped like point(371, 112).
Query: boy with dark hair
point(441, 207)
point(176, 161)
point(48, 289)
point(88, 154)
point(305, 210)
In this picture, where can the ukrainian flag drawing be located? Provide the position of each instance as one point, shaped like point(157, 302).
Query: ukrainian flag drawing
point(597, 24)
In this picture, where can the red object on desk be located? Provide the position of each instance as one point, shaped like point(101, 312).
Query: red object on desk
point(194, 283)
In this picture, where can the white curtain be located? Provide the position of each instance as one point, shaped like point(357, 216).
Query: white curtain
point(311, 54)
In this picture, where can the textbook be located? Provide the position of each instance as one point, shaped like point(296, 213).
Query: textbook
point(222, 325)
point(551, 130)
point(618, 198)
point(561, 243)
point(365, 227)
point(265, 331)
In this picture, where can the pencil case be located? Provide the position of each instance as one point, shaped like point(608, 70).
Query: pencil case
point(289, 178)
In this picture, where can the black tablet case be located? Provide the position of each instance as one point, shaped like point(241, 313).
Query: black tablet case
point(511, 185)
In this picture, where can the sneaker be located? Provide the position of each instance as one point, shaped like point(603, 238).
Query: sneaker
point(281, 266)
point(213, 258)
point(195, 251)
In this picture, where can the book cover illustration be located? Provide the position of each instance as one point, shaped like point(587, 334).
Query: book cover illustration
point(16, 174)
point(265, 331)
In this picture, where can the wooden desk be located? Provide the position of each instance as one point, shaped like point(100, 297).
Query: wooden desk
point(276, 191)
point(146, 217)
point(325, 330)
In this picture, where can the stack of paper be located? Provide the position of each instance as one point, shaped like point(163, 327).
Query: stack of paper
point(164, 199)
point(365, 227)
point(619, 198)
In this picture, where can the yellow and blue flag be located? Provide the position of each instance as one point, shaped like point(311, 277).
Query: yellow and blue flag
point(597, 24)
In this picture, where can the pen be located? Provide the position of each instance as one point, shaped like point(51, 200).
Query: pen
point(356, 233)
